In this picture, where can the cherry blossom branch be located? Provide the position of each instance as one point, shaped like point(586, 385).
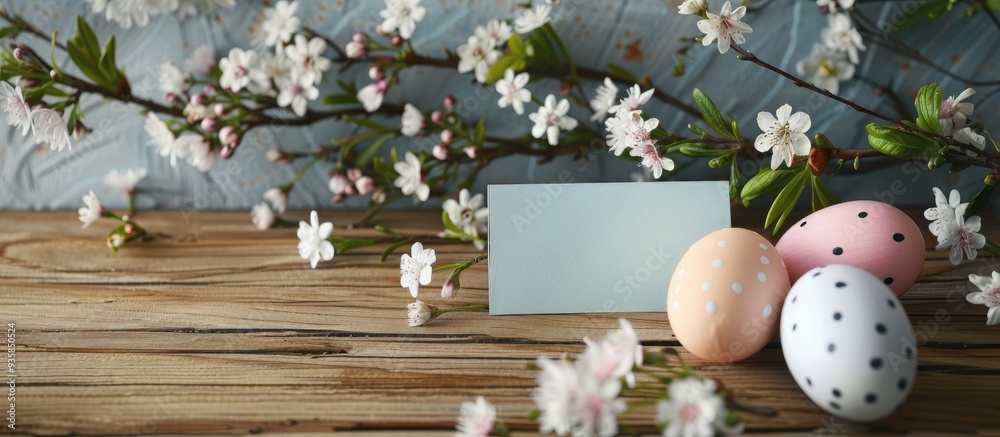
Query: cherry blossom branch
point(886, 40)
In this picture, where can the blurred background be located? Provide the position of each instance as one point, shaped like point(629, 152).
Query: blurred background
point(641, 35)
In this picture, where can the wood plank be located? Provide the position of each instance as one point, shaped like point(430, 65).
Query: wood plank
point(213, 327)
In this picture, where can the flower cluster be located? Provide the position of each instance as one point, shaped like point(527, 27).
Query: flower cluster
point(127, 12)
point(93, 210)
point(628, 129)
point(588, 395)
point(45, 124)
point(834, 60)
point(952, 228)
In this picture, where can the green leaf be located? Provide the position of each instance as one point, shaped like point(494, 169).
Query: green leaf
point(922, 12)
point(702, 150)
point(857, 163)
point(993, 4)
point(711, 114)
point(678, 69)
point(392, 248)
point(368, 123)
point(449, 225)
point(928, 103)
point(735, 181)
point(382, 169)
point(479, 134)
point(500, 67)
point(343, 244)
point(892, 142)
point(736, 127)
point(837, 166)
point(621, 73)
point(980, 201)
point(340, 99)
point(87, 37)
point(823, 196)
point(366, 156)
point(10, 31)
point(766, 181)
point(784, 203)
point(823, 142)
point(516, 45)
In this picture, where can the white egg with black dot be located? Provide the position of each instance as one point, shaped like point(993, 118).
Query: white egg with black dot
point(848, 342)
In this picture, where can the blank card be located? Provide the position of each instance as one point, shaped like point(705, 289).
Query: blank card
point(587, 248)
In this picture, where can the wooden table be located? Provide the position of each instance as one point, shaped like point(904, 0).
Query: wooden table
point(214, 327)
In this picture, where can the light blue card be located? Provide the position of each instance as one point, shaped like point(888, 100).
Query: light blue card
point(587, 248)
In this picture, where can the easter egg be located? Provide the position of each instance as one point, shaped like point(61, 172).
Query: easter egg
point(848, 342)
point(872, 236)
point(725, 294)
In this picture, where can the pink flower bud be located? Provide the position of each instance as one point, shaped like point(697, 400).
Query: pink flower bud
point(449, 103)
point(353, 174)
point(471, 151)
point(209, 124)
point(226, 152)
point(436, 116)
point(375, 73)
point(129, 228)
point(365, 185)
point(441, 152)
point(450, 288)
point(20, 53)
point(25, 82)
point(198, 99)
point(229, 136)
point(171, 99)
point(397, 40)
point(338, 183)
point(350, 190)
point(358, 37)
point(219, 109)
point(446, 136)
point(210, 89)
point(355, 50)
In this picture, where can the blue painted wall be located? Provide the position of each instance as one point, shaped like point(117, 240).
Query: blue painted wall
point(35, 178)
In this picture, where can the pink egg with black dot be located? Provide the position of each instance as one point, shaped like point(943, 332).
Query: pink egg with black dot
point(873, 236)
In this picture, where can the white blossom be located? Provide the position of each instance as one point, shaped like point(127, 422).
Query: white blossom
point(198, 151)
point(278, 198)
point(604, 98)
point(280, 23)
point(313, 240)
point(262, 216)
point(49, 127)
point(91, 210)
point(415, 268)
point(968, 137)
point(163, 139)
point(613, 357)
point(944, 210)
point(692, 408)
point(477, 55)
point(551, 118)
point(236, 69)
point(476, 419)
point(468, 212)
point(201, 61)
point(961, 236)
point(308, 56)
point(410, 181)
point(634, 99)
point(18, 112)
point(172, 79)
point(532, 19)
point(954, 112)
point(784, 136)
point(841, 36)
point(402, 15)
point(512, 91)
point(419, 313)
point(127, 12)
point(652, 160)
point(825, 68)
point(726, 28)
point(412, 121)
point(556, 395)
point(988, 295)
point(296, 90)
point(372, 94)
point(125, 180)
point(692, 7)
point(495, 29)
point(618, 129)
point(835, 6)
point(204, 7)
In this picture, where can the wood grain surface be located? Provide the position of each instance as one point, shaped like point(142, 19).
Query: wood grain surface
point(212, 327)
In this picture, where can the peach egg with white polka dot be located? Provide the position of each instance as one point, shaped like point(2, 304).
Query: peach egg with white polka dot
point(725, 295)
